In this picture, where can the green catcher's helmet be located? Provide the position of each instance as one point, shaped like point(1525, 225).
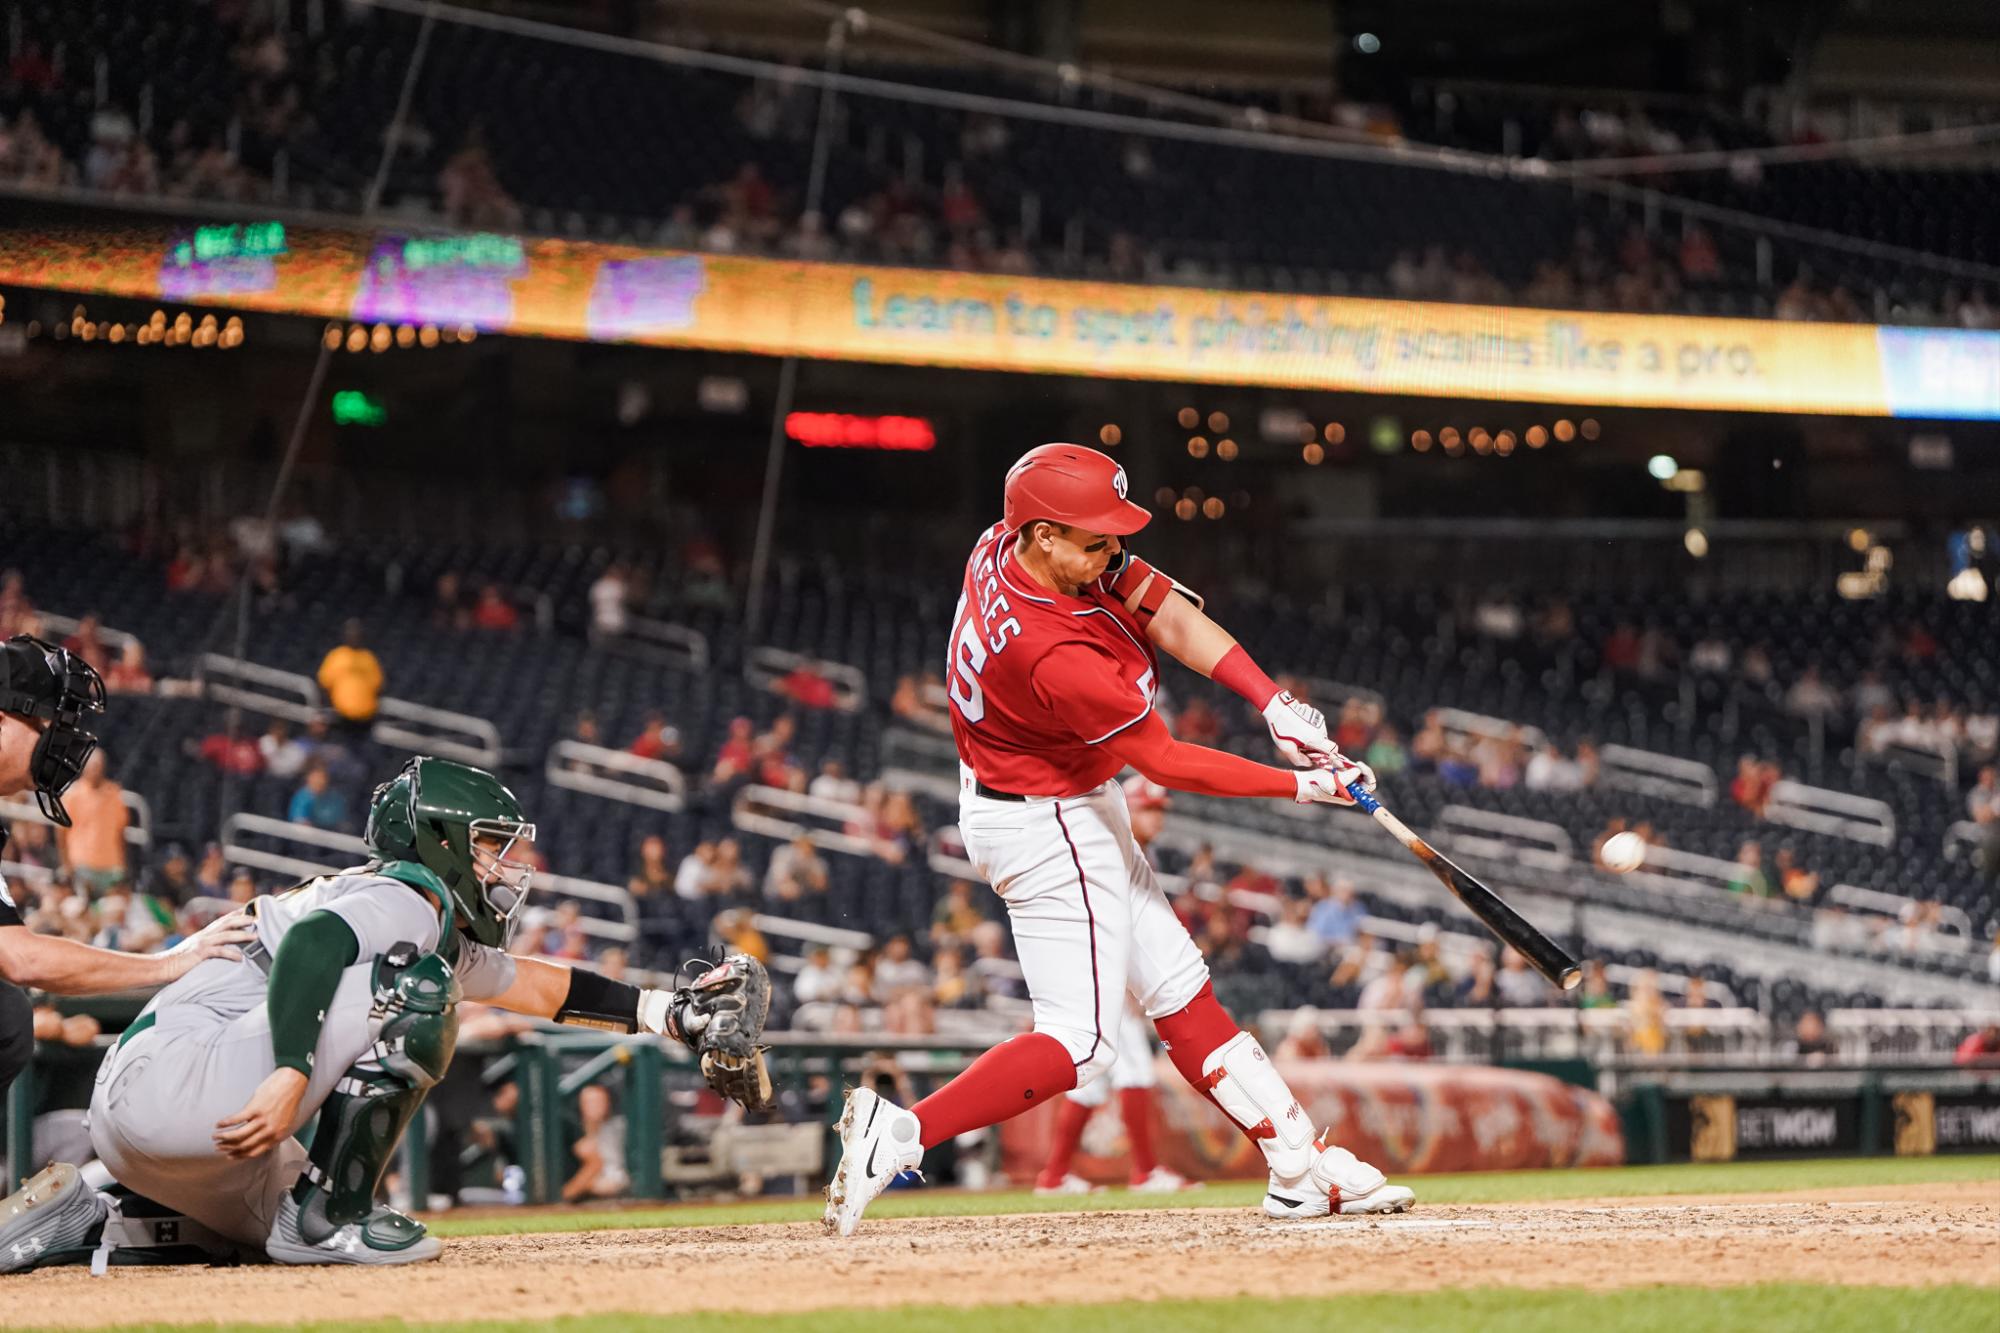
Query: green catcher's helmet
point(461, 823)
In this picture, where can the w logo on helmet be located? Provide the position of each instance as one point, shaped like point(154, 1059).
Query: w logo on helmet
point(1118, 482)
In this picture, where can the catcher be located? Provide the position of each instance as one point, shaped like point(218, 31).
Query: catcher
point(344, 1006)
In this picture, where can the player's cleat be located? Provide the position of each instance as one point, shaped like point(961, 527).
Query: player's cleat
point(878, 1142)
point(54, 1218)
point(1162, 1181)
point(1339, 1182)
point(1069, 1184)
point(385, 1236)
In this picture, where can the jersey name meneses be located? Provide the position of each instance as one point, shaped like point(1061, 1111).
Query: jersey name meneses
point(1038, 679)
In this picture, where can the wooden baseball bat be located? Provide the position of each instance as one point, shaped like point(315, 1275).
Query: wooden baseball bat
point(1544, 954)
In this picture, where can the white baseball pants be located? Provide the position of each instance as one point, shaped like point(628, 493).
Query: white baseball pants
point(1090, 920)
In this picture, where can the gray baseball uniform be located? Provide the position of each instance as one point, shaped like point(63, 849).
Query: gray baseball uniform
point(162, 1091)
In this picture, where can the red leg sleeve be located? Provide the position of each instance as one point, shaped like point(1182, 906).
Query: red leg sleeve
point(1014, 1076)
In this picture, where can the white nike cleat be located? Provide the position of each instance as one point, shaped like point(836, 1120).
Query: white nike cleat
point(1162, 1181)
point(1070, 1184)
point(878, 1142)
point(1338, 1182)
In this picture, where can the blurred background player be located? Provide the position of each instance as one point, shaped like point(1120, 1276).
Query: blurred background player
point(1132, 1076)
point(1052, 675)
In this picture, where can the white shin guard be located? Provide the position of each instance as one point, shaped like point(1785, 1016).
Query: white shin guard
point(1251, 1092)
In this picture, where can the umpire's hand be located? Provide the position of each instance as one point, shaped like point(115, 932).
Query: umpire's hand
point(217, 939)
point(267, 1120)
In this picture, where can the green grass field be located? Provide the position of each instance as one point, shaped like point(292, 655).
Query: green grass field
point(1653, 1310)
point(1478, 1187)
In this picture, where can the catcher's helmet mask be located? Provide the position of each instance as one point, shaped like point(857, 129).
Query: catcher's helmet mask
point(53, 686)
point(462, 824)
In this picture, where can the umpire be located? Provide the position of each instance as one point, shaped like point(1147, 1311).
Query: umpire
point(48, 698)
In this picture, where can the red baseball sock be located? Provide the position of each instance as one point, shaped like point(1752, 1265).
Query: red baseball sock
point(1194, 1033)
point(1136, 1105)
point(1071, 1117)
point(1002, 1083)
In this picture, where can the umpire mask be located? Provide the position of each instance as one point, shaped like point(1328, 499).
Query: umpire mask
point(53, 686)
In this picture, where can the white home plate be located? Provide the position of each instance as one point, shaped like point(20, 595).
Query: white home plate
point(1399, 1224)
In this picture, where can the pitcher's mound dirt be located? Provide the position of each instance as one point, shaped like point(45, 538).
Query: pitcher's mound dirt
point(1953, 1236)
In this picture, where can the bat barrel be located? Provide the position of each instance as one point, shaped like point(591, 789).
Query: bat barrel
point(1543, 954)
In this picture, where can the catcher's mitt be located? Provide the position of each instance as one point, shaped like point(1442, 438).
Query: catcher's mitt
point(721, 1018)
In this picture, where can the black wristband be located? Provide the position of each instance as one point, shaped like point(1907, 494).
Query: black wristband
point(596, 1001)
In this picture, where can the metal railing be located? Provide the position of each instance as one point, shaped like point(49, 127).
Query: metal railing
point(809, 933)
point(53, 625)
point(931, 784)
point(766, 668)
point(1323, 692)
point(1893, 905)
point(138, 828)
point(1661, 775)
point(237, 852)
point(1964, 833)
point(1685, 872)
point(590, 890)
point(616, 775)
point(759, 809)
point(662, 641)
point(1862, 1032)
point(285, 694)
point(402, 724)
point(1459, 721)
point(1531, 842)
point(1937, 761)
point(1547, 1033)
point(1822, 810)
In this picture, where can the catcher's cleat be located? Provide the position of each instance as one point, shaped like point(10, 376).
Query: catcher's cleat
point(878, 1142)
point(385, 1236)
point(1160, 1180)
point(55, 1218)
point(1069, 1184)
point(1338, 1182)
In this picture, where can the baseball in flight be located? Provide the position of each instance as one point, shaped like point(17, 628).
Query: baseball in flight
point(1623, 852)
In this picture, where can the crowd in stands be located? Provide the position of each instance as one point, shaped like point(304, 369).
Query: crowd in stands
point(273, 134)
point(947, 951)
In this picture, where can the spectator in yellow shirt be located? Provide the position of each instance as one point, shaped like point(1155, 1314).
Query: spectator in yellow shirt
point(352, 677)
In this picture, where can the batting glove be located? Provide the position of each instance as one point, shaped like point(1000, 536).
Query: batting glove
point(1299, 731)
point(1333, 785)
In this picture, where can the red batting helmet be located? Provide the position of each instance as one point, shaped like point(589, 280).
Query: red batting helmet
point(1067, 483)
point(1142, 793)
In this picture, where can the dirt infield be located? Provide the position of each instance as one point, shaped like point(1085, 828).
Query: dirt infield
point(1898, 1235)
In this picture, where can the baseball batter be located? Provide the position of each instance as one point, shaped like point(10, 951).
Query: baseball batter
point(1132, 1076)
point(343, 1007)
point(1053, 659)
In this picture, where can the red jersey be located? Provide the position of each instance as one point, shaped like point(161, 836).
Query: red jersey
point(1039, 680)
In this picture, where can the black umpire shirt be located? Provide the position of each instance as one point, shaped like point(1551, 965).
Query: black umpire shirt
point(17, 1016)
